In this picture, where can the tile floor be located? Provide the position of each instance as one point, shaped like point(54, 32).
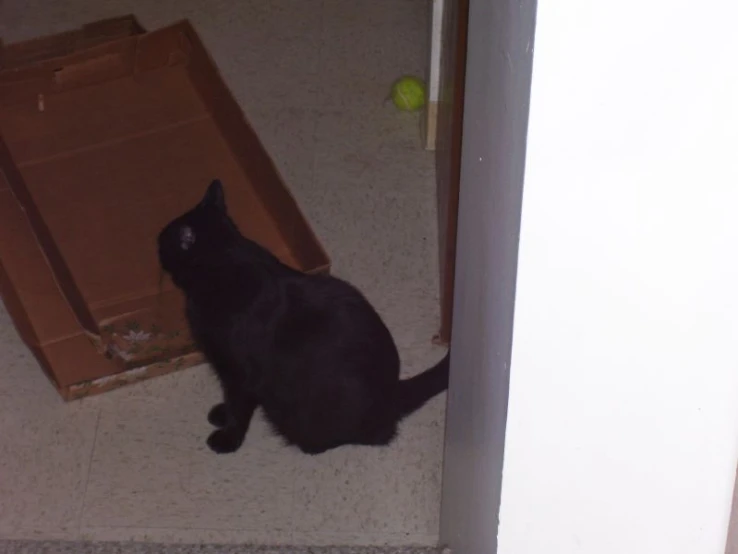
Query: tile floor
point(312, 76)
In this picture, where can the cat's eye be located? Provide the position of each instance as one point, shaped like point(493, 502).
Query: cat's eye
point(186, 237)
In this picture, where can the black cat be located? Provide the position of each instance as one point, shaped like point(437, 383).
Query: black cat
point(309, 349)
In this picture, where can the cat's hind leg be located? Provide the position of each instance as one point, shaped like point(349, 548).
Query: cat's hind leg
point(380, 437)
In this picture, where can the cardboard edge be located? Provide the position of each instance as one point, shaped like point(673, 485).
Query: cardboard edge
point(286, 195)
point(129, 377)
point(50, 47)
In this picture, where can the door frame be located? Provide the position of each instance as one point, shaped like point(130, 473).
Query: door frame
point(493, 143)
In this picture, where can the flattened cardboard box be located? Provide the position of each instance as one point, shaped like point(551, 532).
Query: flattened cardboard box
point(106, 134)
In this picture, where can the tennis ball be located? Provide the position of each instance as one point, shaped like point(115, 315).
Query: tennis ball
point(408, 93)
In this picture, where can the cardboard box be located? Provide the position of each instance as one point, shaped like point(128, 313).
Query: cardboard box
point(106, 134)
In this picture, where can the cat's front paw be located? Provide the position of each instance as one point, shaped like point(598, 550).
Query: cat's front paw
point(218, 415)
point(224, 441)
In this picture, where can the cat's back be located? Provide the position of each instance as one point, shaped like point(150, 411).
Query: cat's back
point(327, 305)
point(326, 292)
point(284, 304)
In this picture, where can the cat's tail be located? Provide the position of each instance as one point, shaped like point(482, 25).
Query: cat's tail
point(416, 391)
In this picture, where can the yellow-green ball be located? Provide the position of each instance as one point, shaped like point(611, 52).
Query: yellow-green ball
point(408, 93)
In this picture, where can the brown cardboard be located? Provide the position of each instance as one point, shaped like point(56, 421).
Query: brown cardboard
point(106, 134)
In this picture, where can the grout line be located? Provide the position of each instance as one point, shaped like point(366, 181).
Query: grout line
point(89, 474)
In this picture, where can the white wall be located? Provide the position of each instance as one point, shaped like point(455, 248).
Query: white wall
point(622, 432)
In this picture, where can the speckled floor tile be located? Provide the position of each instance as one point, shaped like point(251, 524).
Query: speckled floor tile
point(366, 45)
point(20, 377)
point(268, 52)
point(384, 153)
point(382, 540)
point(312, 76)
point(151, 468)
point(44, 460)
point(45, 447)
point(193, 535)
point(388, 251)
point(379, 169)
point(277, 61)
point(383, 492)
point(288, 134)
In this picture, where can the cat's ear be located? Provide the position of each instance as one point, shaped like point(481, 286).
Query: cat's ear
point(215, 196)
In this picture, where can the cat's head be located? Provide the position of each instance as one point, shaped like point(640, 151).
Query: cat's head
point(198, 237)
